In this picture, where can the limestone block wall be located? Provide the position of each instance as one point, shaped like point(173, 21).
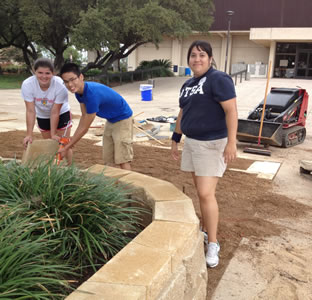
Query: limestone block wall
point(165, 261)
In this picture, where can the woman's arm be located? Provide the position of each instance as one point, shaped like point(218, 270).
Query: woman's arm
point(83, 126)
point(54, 119)
point(230, 111)
point(174, 144)
point(30, 122)
point(178, 122)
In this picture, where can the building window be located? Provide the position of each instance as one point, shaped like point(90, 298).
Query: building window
point(293, 60)
point(285, 60)
point(286, 48)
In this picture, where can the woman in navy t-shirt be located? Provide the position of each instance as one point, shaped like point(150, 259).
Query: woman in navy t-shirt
point(208, 119)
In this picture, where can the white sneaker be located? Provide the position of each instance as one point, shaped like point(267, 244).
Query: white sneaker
point(212, 256)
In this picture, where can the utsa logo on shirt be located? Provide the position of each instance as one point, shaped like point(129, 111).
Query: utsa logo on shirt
point(196, 89)
point(44, 101)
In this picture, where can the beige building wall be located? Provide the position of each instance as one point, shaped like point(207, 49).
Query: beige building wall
point(176, 53)
point(91, 56)
point(240, 49)
point(272, 56)
point(133, 60)
point(250, 47)
point(150, 52)
point(244, 50)
point(281, 34)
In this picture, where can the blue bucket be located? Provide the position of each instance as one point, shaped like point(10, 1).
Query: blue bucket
point(187, 71)
point(146, 92)
point(146, 95)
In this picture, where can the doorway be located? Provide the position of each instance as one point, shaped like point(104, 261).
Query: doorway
point(293, 60)
point(304, 64)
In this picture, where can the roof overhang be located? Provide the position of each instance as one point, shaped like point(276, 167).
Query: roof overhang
point(265, 36)
point(223, 33)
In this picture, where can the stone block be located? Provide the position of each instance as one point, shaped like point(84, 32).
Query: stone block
point(77, 295)
point(7, 160)
point(156, 189)
point(137, 192)
point(99, 290)
point(195, 264)
point(137, 265)
point(108, 171)
point(201, 292)
point(178, 211)
point(39, 150)
point(173, 238)
point(176, 286)
point(166, 260)
point(306, 164)
point(147, 215)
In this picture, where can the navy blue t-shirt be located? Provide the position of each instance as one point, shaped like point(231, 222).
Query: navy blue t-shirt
point(203, 116)
point(105, 102)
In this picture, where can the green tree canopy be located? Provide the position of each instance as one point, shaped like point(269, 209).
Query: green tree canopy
point(119, 27)
point(111, 28)
point(32, 25)
point(12, 32)
point(48, 23)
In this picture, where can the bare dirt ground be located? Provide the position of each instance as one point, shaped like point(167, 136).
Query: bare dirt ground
point(250, 210)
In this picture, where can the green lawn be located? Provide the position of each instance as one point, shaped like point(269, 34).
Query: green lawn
point(12, 81)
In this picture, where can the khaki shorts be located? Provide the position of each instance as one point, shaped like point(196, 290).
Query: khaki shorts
point(204, 158)
point(117, 142)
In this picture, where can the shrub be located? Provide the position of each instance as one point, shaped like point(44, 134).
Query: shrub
point(92, 72)
point(157, 67)
point(165, 63)
point(28, 271)
point(91, 216)
point(14, 69)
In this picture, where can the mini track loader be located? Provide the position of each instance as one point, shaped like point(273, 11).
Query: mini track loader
point(283, 122)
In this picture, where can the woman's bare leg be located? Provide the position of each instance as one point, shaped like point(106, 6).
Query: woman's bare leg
point(206, 188)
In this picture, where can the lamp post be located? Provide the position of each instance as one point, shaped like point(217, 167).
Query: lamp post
point(229, 13)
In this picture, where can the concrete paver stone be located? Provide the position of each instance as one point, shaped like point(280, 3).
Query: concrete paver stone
point(39, 149)
point(144, 267)
point(90, 290)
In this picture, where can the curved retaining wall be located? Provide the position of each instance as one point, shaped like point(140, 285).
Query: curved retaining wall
point(165, 261)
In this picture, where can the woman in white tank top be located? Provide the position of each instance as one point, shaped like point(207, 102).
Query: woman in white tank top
point(46, 98)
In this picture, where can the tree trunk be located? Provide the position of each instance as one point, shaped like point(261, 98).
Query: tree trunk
point(26, 54)
point(58, 62)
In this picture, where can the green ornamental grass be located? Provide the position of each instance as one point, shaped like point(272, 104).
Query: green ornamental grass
point(88, 219)
point(27, 269)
